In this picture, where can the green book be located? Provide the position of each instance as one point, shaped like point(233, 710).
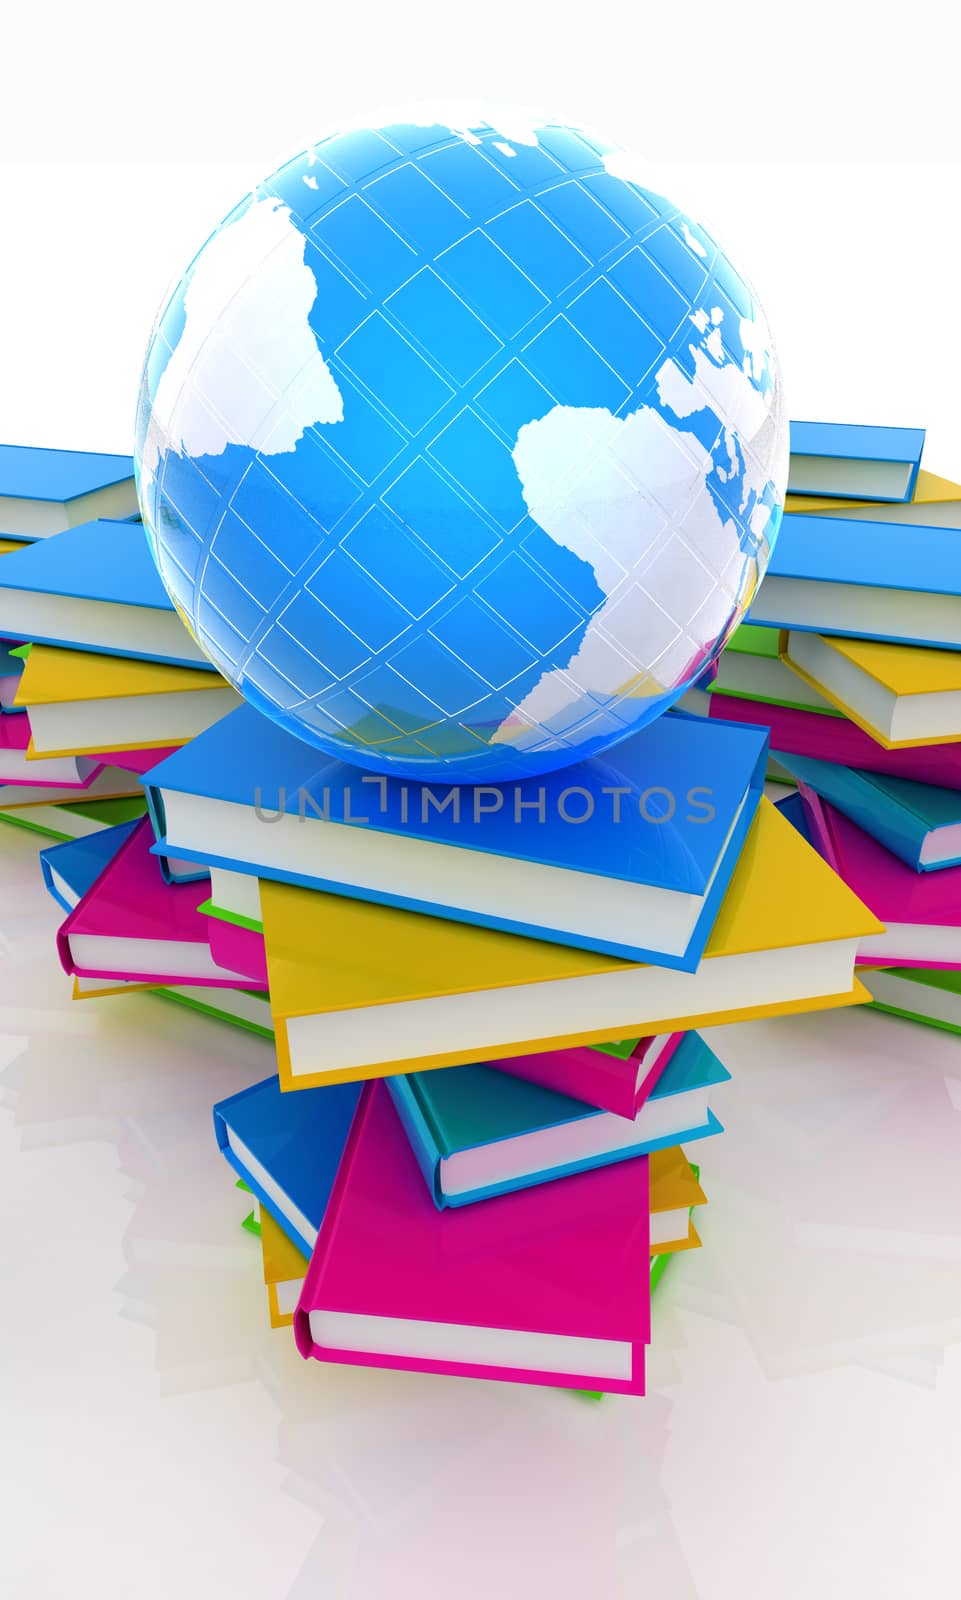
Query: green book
point(750, 669)
point(244, 1008)
point(921, 994)
point(77, 818)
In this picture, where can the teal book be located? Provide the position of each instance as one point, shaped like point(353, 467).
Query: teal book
point(477, 1132)
point(94, 587)
point(918, 822)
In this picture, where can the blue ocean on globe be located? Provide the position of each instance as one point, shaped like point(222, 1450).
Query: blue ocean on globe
point(459, 452)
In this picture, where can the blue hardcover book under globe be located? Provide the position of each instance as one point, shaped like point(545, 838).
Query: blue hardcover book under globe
point(477, 1133)
point(44, 491)
point(94, 587)
point(847, 460)
point(865, 580)
point(918, 822)
point(629, 853)
point(287, 1148)
point(71, 868)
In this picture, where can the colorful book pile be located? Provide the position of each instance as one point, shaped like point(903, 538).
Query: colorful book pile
point(471, 1156)
point(852, 660)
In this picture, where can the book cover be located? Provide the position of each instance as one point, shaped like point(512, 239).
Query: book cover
point(806, 733)
point(446, 993)
point(72, 867)
point(645, 838)
point(478, 1133)
point(44, 491)
point(921, 911)
point(236, 949)
point(94, 587)
point(547, 1287)
point(918, 822)
point(16, 767)
point(288, 1148)
point(131, 924)
point(847, 459)
point(902, 695)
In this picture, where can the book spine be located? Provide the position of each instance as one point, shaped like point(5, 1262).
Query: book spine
point(318, 1260)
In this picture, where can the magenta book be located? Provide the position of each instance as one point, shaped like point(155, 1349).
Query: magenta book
point(810, 733)
point(544, 1286)
point(620, 1084)
point(921, 910)
point(133, 925)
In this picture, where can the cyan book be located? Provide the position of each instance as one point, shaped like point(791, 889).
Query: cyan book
point(918, 822)
point(848, 460)
point(44, 491)
point(629, 854)
point(477, 1132)
point(864, 580)
point(94, 587)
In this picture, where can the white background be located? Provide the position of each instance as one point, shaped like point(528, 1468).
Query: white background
point(801, 1434)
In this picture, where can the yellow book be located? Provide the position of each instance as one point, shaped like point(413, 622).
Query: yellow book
point(81, 702)
point(902, 695)
point(361, 990)
point(284, 1271)
point(674, 1191)
point(930, 493)
point(8, 546)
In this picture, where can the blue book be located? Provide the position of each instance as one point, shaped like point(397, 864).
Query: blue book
point(477, 1133)
point(287, 1148)
point(792, 807)
point(865, 580)
point(848, 461)
point(44, 491)
point(630, 853)
point(11, 667)
point(71, 868)
point(94, 587)
point(918, 822)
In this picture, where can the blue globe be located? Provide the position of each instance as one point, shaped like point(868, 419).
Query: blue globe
point(460, 453)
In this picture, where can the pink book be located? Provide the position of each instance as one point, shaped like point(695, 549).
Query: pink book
point(548, 1285)
point(133, 925)
point(921, 910)
point(620, 1084)
point(138, 761)
point(238, 949)
point(62, 772)
point(811, 733)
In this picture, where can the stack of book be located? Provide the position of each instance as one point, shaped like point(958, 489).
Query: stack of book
point(852, 660)
point(484, 1001)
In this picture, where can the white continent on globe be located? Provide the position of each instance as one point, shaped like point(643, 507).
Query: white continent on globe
point(630, 497)
point(237, 376)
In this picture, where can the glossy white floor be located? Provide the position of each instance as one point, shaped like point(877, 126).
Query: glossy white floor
point(800, 1437)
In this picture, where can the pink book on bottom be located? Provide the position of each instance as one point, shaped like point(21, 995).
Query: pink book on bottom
point(612, 1083)
point(921, 910)
point(238, 949)
point(811, 733)
point(64, 772)
point(131, 924)
point(545, 1286)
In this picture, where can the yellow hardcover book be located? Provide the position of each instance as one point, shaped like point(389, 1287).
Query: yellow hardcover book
point(902, 695)
point(675, 1190)
point(84, 703)
point(360, 990)
point(284, 1271)
point(8, 546)
point(929, 490)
